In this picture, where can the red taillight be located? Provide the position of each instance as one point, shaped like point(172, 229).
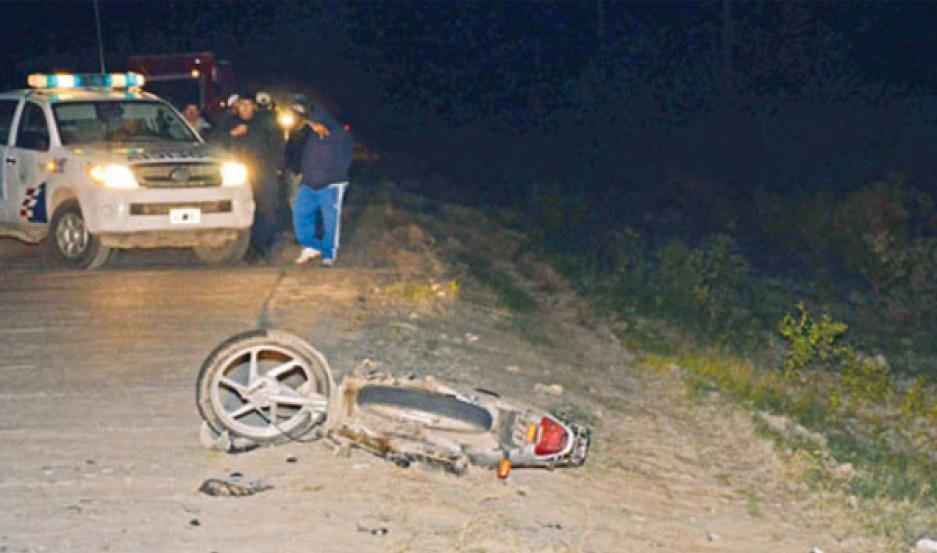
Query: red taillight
point(553, 438)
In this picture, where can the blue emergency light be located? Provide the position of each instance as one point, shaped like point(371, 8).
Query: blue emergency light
point(85, 80)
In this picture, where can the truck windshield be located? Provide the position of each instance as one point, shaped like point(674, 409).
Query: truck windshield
point(119, 121)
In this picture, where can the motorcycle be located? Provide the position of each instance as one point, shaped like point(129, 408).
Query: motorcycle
point(267, 387)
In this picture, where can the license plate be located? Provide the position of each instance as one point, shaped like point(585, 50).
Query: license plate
point(185, 216)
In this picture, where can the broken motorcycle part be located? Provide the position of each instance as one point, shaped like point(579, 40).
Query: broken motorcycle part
point(220, 488)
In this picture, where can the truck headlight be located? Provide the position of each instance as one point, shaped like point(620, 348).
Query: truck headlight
point(233, 174)
point(113, 176)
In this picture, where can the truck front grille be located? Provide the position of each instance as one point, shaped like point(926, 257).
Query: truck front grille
point(221, 206)
point(178, 175)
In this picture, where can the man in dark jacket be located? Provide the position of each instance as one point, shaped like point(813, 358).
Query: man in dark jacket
point(254, 139)
point(320, 150)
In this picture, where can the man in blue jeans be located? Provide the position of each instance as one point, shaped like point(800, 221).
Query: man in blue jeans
point(320, 150)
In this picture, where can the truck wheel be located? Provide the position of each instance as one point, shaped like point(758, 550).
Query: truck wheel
point(226, 254)
point(70, 236)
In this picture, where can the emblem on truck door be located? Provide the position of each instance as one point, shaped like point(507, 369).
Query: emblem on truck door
point(33, 208)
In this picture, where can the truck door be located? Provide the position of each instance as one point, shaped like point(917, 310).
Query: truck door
point(23, 166)
point(7, 110)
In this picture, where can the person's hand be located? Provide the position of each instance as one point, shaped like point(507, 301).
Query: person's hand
point(319, 129)
point(240, 130)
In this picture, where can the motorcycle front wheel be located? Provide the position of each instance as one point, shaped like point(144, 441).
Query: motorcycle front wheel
point(268, 386)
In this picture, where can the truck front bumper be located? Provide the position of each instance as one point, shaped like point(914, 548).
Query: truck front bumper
point(155, 213)
point(169, 238)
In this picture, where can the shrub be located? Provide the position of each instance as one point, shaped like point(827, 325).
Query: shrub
point(865, 379)
point(872, 227)
point(914, 403)
point(810, 340)
point(629, 263)
point(816, 343)
point(707, 285)
point(913, 299)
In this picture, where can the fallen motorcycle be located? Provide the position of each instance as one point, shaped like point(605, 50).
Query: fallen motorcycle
point(268, 387)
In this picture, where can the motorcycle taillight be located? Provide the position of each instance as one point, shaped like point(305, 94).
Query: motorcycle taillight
point(553, 437)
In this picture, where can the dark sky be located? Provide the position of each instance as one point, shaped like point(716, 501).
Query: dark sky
point(512, 64)
point(891, 43)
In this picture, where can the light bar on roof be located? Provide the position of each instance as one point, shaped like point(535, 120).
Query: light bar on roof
point(85, 80)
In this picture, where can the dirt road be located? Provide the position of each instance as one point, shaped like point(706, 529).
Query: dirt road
point(99, 436)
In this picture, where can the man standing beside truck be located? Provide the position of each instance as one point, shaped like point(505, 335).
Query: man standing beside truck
point(253, 137)
point(321, 151)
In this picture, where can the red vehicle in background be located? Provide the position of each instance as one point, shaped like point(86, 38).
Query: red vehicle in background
point(187, 78)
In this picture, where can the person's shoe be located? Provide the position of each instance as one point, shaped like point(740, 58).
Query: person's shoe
point(307, 254)
point(328, 262)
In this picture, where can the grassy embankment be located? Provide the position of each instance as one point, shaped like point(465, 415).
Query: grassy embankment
point(703, 311)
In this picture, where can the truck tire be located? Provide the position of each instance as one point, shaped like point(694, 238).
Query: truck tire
point(229, 253)
point(70, 237)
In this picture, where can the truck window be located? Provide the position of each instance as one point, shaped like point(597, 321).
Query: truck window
point(33, 132)
point(119, 121)
point(7, 109)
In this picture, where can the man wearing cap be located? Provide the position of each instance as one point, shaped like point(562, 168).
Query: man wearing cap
point(253, 138)
point(320, 150)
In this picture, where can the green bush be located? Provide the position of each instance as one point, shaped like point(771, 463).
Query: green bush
point(912, 298)
point(707, 285)
point(629, 265)
point(810, 341)
point(872, 230)
point(817, 344)
point(865, 379)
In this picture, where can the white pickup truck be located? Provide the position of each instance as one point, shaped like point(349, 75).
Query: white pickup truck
point(97, 164)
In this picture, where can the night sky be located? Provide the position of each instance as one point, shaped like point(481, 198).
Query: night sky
point(440, 47)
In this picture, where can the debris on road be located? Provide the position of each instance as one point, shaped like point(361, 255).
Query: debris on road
point(553, 526)
point(375, 531)
point(925, 545)
point(220, 488)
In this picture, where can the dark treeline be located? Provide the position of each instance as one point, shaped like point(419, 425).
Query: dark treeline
point(703, 144)
point(767, 122)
